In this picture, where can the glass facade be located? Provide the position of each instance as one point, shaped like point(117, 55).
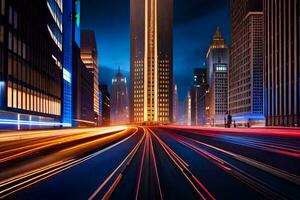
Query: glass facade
point(68, 62)
point(31, 75)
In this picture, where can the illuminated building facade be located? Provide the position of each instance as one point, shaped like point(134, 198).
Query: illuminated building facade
point(68, 37)
point(105, 106)
point(282, 62)
point(83, 92)
point(82, 99)
point(151, 60)
point(189, 109)
point(175, 104)
point(198, 91)
point(217, 60)
point(246, 62)
point(119, 99)
point(89, 56)
point(31, 76)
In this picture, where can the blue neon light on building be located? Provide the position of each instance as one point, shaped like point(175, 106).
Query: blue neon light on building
point(2, 92)
point(77, 22)
point(67, 63)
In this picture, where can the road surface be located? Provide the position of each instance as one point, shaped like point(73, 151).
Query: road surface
point(166, 162)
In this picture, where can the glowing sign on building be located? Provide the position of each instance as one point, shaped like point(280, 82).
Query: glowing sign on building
point(77, 22)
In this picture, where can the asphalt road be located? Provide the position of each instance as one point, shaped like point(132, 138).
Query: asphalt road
point(151, 163)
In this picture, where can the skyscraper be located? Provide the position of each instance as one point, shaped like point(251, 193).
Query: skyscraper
point(246, 61)
point(188, 112)
point(89, 56)
point(31, 75)
point(198, 91)
point(105, 104)
point(175, 104)
point(217, 60)
point(282, 62)
point(151, 60)
point(83, 92)
point(119, 99)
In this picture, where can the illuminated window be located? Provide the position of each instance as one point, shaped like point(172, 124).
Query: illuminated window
point(19, 99)
point(28, 101)
point(9, 95)
point(31, 101)
point(24, 100)
point(2, 7)
point(14, 98)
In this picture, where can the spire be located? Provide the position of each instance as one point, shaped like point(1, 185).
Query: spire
point(119, 74)
point(218, 34)
point(218, 40)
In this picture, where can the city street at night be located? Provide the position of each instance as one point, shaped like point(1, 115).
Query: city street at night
point(150, 99)
point(167, 162)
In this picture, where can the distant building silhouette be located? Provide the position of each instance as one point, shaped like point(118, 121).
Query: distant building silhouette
point(119, 99)
point(175, 104)
point(198, 90)
point(104, 108)
point(89, 56)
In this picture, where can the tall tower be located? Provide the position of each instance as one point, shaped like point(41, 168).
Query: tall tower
point(282, 62)
point(197, 93)
point(217, 60)
point(151, 60)
point(119, 99)
point(246, 61)
point(175, 104)
point(89, 56)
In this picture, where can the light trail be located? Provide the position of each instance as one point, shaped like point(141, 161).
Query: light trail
point(126, 161)
point(262, 144)
point(25, 180)
point(140, 171)
point(22, 135)
point(152, 155)
point(148, 168)
point(267, 168)
point(199, 187)
point(241, 175)
point(288, 150)
point(294, 133)
point(37, 147)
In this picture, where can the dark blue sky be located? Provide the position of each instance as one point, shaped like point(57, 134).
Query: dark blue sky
point(195, 22)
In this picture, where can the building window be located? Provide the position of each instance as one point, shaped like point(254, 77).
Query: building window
point(10, 15)
point(9, 40)
point(1, 33)
point(14, 96)
point(2, 7)
point(15, 19)
point(9, 95)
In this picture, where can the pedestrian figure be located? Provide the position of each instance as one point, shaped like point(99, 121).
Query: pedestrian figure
point(229, 121)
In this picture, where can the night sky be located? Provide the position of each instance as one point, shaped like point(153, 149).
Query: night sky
point(195, 22)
